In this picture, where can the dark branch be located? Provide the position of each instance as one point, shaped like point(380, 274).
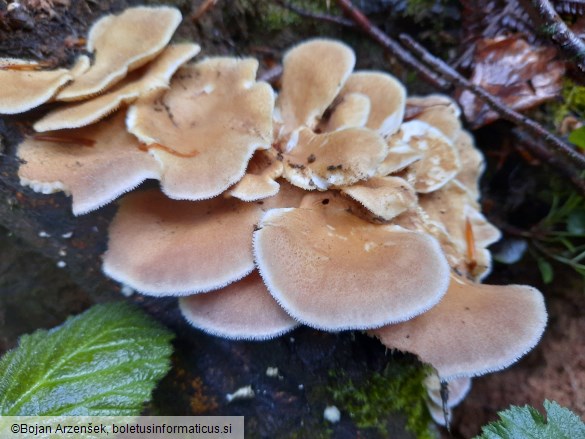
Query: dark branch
point(555, 28)
point(495, 104)
point(391, 46)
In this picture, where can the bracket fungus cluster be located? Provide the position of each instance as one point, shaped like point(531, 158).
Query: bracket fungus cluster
point(335, 202)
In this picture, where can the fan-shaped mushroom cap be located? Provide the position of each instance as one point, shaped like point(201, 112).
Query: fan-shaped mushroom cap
point(350, 111)
point(94, 175)
point(165, 247)
point(474, 330)
point(206, 127)
point(154, 76)
point(122, 43)
point(385, 197)
point(331, 270)
point(242, 310)
point(439, 162)
point(23, 89)
point(387, 98)
point(339, 158)
point(313, 74)
point(439, 111)
point(260, 179)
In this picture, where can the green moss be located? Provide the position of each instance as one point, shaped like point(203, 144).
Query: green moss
point(399, 389)
point(573, 102)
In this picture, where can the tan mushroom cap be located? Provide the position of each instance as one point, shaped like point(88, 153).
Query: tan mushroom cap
point(242, 310)
point(458, 215)
point(350, 111)
point(440, 160)
point(331, 270)
point(22, 90)
point(206, 127)
point(313, 74)
point(162, 247)
point(260, 179)
point(122, 43)
point(457, 389)
point(472, 163)
point(154, 76)
point(93, 175)
point(339, 158)
point(387, 97)
point(439, 111)
point(474, 330)
point(385, 197)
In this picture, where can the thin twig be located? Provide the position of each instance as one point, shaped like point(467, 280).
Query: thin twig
point(494, 103)
point(556, 29)
point(545, 156)
point(391, 46)
point(205, 7)
point(315, 15)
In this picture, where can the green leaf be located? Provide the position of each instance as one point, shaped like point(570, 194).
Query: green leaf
point(104, 362)
point(546, 270)
point(577, 137)
point(527, 423)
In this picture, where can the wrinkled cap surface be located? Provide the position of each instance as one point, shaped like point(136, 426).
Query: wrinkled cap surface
point(95, 164)
point(206, 127)
point(340, 158)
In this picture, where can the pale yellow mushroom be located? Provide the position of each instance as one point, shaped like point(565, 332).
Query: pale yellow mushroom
point(24, 85)
point(206, 127)
point(340, 158)
point(95, 164)
point(350, 111)
point(242, 310)
point(332, 270)
point(164, 247)
point(313, 74)
point(153, 76)
point(474, 330)
point(122, 43)
point(387, 99)
point(384, 197)
point(260, 179)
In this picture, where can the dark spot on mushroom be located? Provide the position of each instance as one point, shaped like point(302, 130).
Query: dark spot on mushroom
point(260, 202)
point(325, 201)
point(279, 157)
point(311, 158)
point(296, 166)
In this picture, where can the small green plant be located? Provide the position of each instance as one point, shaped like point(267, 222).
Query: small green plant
point(398, 388)
point(560, 235)
point(104, 362)
point(527, 422)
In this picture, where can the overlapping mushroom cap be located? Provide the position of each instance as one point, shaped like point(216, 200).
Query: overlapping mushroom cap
point(340, 204)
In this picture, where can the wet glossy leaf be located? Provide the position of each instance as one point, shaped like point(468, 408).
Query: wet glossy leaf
point(103, 362)
point(520, 74)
